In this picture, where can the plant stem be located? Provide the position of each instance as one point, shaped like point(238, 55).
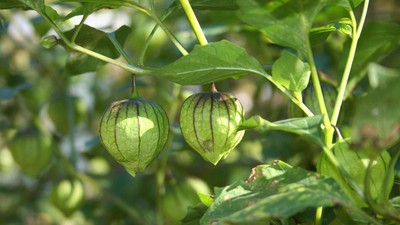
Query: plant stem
point(78, 28)
point(153, 31)
point(318, 216)
point(346, 74)
point(170, 35)
point(320, 96)
point(68, 43)
point(194, 23)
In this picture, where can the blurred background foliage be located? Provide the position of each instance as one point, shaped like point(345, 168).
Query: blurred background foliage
point(40, 101)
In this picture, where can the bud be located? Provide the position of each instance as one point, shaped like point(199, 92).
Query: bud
point(49, 41)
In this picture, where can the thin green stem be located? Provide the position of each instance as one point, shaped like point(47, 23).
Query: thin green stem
point(151, 35)
point(194, 23)
point(130, 68)
point(119, 48)
point(320, 96)
point(170, 35)
point(71, 45)
point(346, 74)
point(78, 29)
point(318, 216)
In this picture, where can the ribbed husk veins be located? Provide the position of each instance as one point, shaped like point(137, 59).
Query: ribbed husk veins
point(209, 123)
point(134, 131)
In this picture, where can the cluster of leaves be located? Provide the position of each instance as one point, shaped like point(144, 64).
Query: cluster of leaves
point(347, 180)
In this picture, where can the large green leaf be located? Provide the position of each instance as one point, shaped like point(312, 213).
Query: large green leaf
point(308, 126)
point(97, 41)
point(209, 63)
point(284, 22)
point(272, 191)
point(355, 163)
point(291, 72)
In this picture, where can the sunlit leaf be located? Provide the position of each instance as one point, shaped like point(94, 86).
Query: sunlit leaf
point(209, 63)
point(275, 190)
point(291, 72)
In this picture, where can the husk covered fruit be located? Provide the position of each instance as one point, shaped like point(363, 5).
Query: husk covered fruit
point(134, 131)
point(209, 123)
point(32, 150)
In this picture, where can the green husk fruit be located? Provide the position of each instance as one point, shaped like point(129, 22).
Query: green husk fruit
point(209, 123)
point(134, 131)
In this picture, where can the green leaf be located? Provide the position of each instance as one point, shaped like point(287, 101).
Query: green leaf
point(272, 191)
point(285, 22)
point(209, 63)
point(12, 4)
point(355, 163)
point(214, 5)
point(307, 126)
point(291, 72)
point(346, 4)
point(206, 199)
point(97, 41)
point(88, 8)
point(194, 215)
point(377, 40)
point(320, 34)
point(46, 11)
point(138, 4)
point(377, 118)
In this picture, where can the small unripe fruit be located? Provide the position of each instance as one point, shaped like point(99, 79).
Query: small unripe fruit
point(67, 196)
point(134, 131)
point(209, 123)
point(32, 150)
